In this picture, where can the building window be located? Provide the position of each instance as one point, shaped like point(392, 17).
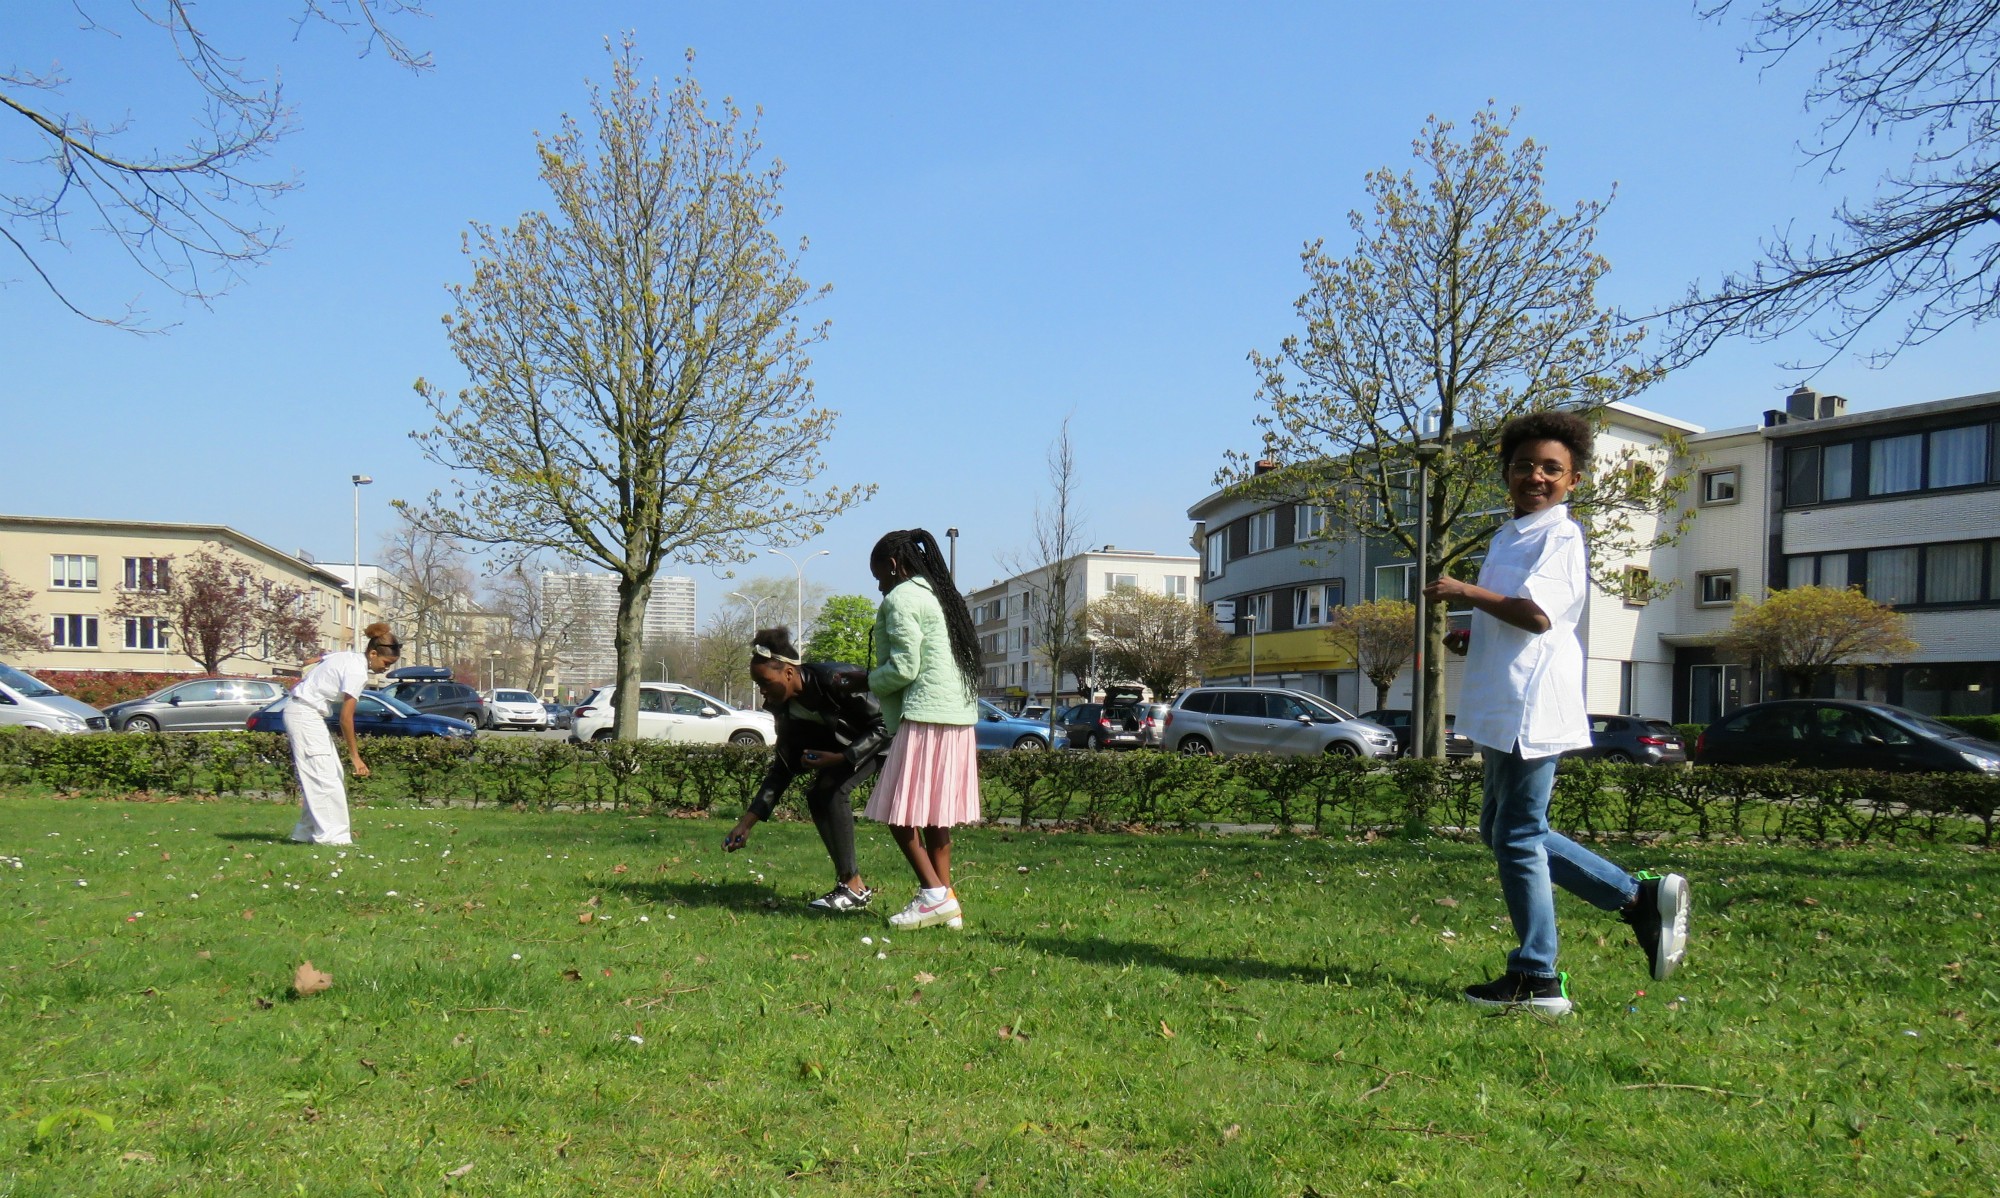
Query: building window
point(1259, 612)
point(1113, 581)
point(1308, 522)
point(145, 573)
point(1393, 582)
point(1174, 586)
point(1833, 571)
point(1718, 486)
point(1638, 586)
point(1895, 464)
point(73, 571)
point(1308, 607)
point(1802, 476)
point(74, 632)
point(1837, 472)
point(1799, 571)
point(145, 632)
point(1263, 531)
point(1628, 700)
point(1958, 456)
point(1218, 544)
point(1953, 573)
point(1717, 587)
point(1892, 575)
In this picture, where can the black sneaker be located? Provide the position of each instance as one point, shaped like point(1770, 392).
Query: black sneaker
point(1547, 996)
point(840, 900)
point(1659, 918)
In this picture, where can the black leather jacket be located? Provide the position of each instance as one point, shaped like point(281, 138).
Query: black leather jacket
point(852, 723)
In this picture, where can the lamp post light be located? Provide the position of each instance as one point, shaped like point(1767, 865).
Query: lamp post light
point(663, 670)
point(1427, 450)
point(359, 481)
point(799, 629)
point(756, 605)
point(492, 670)
point(951, 534)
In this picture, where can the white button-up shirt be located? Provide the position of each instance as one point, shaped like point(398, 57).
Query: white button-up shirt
point(1524, 689)
point(336, 675)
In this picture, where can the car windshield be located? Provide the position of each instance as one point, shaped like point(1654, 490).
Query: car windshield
point(394, 704)
point(1321, 709)
point(991, 712)
point(26, 685)
point(1924, 724)
point(513, 696)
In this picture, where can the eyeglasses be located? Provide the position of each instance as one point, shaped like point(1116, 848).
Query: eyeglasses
point(1522, 468)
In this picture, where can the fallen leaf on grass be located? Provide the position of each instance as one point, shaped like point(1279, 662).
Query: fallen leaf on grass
point(979, 1187)
point(924, 979)
point(249, 913)
point(618, 869)
point(166, 856)
point(1165, 1031)
point(136, 1157)
point(1810, 902)
point(308, 981)
point(263, 1004)
point(571, 975)
point(461, 1171)
point(204, 955)
point(586, 917)
point(1447, 901)
point(801, 956)
point(591, 902)
point(1231, 1132)
point(1007, 1032)
point(368, 1065)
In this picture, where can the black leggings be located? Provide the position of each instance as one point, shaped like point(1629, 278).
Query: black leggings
point(830, 799)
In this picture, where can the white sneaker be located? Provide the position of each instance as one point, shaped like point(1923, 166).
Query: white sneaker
point(920, 914)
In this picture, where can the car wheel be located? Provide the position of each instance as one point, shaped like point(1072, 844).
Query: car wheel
point(604, 734)
point(1031, 742)
point(1096, 743)
point(745, 737)
point(1341, 748)
point(1196, 746)
point(142, 723)
point(1618, 757)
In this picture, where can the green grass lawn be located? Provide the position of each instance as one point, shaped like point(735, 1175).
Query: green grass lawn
point(1122, 1015)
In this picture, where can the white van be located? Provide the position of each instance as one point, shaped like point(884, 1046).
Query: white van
point(28, 702)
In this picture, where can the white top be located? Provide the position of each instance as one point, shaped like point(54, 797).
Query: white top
point(1525, 689)
point(337, 674)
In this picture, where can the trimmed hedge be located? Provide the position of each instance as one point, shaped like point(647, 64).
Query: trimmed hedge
point(1985, 727)
point(1140, 790)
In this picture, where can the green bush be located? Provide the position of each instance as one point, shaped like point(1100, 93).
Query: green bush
point(1985, 727)
point(1690, 733)
point(1141, 789)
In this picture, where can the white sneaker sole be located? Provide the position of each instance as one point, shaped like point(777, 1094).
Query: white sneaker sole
point(950, 917)
point(1554, 1007)
point(1674, 905)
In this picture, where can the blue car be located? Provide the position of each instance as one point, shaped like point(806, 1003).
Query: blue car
point(375, 714)
point(998, 731)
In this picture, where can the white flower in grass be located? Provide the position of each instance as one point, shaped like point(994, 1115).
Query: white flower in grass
point(636, 1039)
point(517, 956)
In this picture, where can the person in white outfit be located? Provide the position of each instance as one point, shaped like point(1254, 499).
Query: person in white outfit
point(333, 684)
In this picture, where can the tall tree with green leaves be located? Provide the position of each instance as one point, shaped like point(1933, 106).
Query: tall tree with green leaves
point(1805, 634)
point(638, 357)
point(1466, 300)
point(841, 630)
point(1162, 641)
point(1381, 636)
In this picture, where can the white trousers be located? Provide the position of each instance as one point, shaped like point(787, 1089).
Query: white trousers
point(322, 783)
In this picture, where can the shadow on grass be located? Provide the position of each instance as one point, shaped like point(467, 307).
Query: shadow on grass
point(1120, 953)
point(256, 837)
point(734, 896)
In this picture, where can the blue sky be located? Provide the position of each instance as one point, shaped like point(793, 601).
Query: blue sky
point(1026, 211)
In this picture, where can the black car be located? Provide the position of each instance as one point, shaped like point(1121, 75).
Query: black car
point(1843, 734)
point(431, 689)
point(1397, 720)
point(375, 714)
point(1634, 739)
point(1117, 723)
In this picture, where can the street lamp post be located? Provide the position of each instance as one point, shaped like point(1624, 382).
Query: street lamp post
point(951, 534)
point(756, 605)
point(663, 670)
point(799, 567)
point(359, 481)
point(1427, 450)
point(492, 670)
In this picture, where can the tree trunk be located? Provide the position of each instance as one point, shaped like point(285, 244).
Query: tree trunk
point(1381, 694)
point(630, 637)
point(1437, 619)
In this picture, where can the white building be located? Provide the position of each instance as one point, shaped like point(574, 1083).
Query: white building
point(592, 656)
point(1014, 669)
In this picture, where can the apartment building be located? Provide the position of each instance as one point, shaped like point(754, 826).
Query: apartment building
point(1014, 670)
point(592, 656)
point(77, 569)
point(1288, 571)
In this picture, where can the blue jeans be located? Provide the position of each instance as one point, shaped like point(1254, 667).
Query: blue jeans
point(1514, 823)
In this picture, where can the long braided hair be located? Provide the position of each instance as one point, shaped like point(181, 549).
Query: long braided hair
point(915, 552)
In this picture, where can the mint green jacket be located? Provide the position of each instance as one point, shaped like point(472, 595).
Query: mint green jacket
point(915, 675)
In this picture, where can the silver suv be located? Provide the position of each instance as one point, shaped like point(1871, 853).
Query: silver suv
point(1257, 719)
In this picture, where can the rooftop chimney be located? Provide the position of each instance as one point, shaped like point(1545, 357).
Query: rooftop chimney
point(1802, 404)
point(1266, 465)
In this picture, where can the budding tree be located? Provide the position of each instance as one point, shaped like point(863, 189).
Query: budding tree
point(219, 605)
point(637, 354)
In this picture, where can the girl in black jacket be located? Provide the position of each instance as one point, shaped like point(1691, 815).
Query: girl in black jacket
point(830, 730)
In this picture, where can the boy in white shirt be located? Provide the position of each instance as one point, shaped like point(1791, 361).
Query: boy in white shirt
point(1523, 706)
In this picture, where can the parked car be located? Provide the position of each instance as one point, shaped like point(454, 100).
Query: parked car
point(1242, 719)
point(1633, 738)
point(1153, 724)
point(200, 705)
point(1397, 720)
point(430, 689)
point(1843, 734)
point(1035, 711)
point(28, 702)
point(560, 714)
point(1116, 723)
point(514, 709)
point(997, 731)
point(375, 714)
point(670, 711)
